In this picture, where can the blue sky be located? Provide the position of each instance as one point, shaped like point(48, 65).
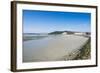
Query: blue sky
point(49, 21)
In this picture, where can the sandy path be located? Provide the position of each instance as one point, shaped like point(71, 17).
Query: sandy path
point(52, 48)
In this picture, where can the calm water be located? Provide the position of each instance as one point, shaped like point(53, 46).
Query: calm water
point(51, 47)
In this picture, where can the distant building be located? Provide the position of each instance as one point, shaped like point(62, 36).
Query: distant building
point(80, 33)
point(64, 33)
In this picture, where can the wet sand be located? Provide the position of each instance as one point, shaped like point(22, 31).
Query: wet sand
point(53, 48)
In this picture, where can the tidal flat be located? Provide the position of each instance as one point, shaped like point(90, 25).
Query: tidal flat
point(53, 48)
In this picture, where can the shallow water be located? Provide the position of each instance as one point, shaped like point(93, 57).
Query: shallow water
point(52, 47)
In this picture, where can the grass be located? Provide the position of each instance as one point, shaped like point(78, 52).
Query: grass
point(85, 52)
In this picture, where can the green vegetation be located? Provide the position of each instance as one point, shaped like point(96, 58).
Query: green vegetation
point(60, 32)
point(85, 52)
point(56, 32)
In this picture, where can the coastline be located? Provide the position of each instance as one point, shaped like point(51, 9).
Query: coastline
point(85, 52)
point(44, 49)
point(79, 54)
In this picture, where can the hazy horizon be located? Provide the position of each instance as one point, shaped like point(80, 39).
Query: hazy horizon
point(49, 21)
point(53, 31)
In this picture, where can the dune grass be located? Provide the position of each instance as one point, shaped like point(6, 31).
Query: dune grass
point(85, 52)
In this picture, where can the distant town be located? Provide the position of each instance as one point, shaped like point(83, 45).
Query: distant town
point(62, 32)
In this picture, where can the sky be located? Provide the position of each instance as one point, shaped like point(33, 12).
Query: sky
point(49, 21)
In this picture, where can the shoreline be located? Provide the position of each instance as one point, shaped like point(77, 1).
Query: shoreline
point(44, 49)
point(84, 52)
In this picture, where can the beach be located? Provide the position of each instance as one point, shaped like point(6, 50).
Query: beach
point(53, 48)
